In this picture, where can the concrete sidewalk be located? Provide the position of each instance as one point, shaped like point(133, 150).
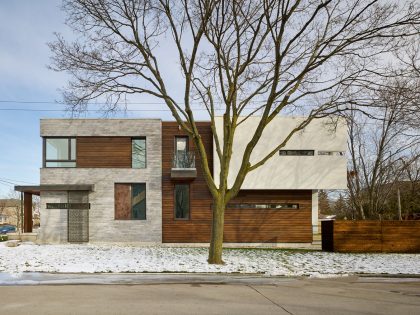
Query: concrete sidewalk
point(243, 295)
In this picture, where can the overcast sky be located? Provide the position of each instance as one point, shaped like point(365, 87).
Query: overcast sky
point(25, 28)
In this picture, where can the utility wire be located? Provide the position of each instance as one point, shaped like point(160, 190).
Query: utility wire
point(15, 180)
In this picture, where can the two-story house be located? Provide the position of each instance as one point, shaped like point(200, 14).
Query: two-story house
point(140, 180)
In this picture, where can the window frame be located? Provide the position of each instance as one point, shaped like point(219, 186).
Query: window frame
point(44, 152)
point(131, 201)
point(189, 202)
point(286, 151)
point(145, 155)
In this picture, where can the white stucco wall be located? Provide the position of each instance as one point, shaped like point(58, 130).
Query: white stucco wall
point(102, 225)
point(289, 172)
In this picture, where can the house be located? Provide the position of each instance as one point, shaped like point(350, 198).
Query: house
point(9, 211)
point(140, 180)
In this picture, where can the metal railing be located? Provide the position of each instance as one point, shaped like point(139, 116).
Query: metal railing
point(183, 160)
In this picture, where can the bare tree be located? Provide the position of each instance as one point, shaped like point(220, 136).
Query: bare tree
point(238, 57)
point(381, 146)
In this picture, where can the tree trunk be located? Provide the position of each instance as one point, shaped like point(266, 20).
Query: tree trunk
point(216, 244)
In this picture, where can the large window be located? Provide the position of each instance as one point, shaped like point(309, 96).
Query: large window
point(59, 152)
point(182, 201)
point(130, 201)
point(138, 153)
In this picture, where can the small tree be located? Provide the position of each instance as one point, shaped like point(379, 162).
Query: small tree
point(241, 57)
point(324, 202)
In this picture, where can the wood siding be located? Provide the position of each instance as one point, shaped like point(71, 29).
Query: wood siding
point(241, 225)
point(103, 152)
point(371, 236)
point(122, 201)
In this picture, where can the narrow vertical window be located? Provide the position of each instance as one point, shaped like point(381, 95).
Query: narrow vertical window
point(181, 157)
point(182, 201)
point(138, 201)
point(138, 153)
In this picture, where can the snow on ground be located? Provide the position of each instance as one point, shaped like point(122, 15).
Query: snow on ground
point(121, 258)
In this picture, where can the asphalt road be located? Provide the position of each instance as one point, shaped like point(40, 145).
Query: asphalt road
point(347, 295)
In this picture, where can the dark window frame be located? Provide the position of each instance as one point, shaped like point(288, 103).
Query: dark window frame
point(189, 201)
point(44, 152)
point(145, 156)
point(145, 201)
point(187, 144)
point(289, 152)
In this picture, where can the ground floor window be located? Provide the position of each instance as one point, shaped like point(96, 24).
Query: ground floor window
point(130, 201)
point(182, 201)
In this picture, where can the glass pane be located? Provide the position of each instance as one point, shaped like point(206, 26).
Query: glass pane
point(181, 144)
point(138, 201)
point(60, 164)
point(138, 157)
point(182, 201)
point(73, 149)
point(57, 149)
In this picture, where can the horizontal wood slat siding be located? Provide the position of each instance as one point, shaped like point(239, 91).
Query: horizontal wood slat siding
point(374, 236)
point(241, 225)
point(104, 152)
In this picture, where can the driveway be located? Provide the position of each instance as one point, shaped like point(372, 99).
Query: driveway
point(346, 295)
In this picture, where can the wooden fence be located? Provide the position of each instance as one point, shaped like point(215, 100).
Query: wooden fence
point(371, 236)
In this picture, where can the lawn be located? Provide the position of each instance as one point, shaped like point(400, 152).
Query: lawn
point(118, 258)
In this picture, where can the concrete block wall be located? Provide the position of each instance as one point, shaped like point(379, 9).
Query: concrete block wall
point(102, 225)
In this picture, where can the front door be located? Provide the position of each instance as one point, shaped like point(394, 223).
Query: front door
point(78, 216)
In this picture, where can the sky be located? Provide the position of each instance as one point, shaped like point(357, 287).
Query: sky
point(28, 89)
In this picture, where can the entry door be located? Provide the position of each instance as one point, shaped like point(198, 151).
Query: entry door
point(78, 216)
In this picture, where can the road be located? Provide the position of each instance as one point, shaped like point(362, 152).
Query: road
point(177, 294)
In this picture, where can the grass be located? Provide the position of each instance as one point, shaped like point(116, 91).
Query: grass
point(3, 238)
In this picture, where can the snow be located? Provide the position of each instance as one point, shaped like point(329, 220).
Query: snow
point(89, 258)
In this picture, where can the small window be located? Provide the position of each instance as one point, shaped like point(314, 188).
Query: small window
point(130, 201)
point(182, 201)
point(138, 153)
point(60, 152)
point(336, 153)
point(296, 152)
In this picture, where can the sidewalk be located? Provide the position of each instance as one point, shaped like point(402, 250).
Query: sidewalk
point(346, 295)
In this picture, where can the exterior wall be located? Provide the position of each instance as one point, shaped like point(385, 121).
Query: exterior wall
point(290, 172)
point(54, 222)
point(241, 225)
point(102, 225)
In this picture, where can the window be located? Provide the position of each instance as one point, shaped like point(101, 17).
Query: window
point(337, 153)
point(182, 157)
point(262, 206)
point(60, 152)
point(182, 201)
point(138, 153)
point(297, 152)
point(130, 201)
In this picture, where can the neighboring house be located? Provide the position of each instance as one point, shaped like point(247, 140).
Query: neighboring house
point(9, 211)
point(140, 180)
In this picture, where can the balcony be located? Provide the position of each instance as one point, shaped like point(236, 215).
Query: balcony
point(183, 166)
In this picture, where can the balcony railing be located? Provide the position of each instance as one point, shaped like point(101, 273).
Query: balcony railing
point(183, 166)
point(183, 160)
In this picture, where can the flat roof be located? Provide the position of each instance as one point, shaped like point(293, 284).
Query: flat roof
point(37, 189)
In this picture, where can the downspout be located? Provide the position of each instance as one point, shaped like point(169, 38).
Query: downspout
point(21, 211)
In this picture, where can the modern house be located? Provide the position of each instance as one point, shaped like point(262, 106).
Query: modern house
point(140, 180)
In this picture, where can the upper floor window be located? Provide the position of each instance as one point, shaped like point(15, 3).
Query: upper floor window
point(138, 153)
point(297, 152)
point(60, 152)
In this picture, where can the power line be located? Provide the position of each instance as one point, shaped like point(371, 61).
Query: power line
point(15, 180)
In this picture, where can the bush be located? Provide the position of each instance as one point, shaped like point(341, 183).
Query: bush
point(3, 238)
